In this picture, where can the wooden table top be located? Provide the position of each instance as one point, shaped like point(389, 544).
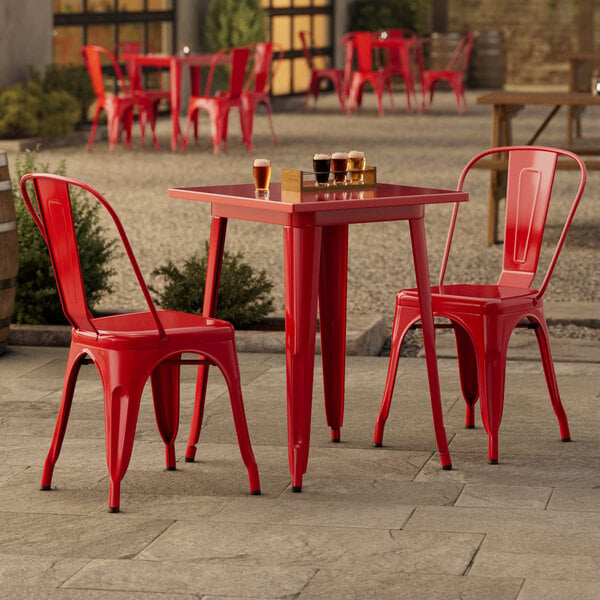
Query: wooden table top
point(540, 98)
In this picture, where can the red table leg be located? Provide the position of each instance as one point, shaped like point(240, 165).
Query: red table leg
point(175, 84)
point(218, 229)
point(302, 249)
point(419, 248)
point(332, 310)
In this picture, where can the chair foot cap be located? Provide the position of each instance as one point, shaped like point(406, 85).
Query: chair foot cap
point(447, 467)
point(335, 435)
point(377, 444)
point(469, 426)
point(493, 461)
point(255, 492)
point(171, 468)
point(188, 459)
point(112, 509)
point(45, 488)
point(567, 439)
point(296, 489)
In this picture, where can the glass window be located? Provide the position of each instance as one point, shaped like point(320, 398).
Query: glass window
point(101, 35)
point(68, 6)
point(67, 44)
point(100, 5)
point(130, 5)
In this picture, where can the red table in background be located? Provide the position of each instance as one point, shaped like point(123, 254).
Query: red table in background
point(315, 246)
point(175, 64)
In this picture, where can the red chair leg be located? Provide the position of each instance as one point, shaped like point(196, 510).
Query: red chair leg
point(467, 367)
point(72, 371)
point(198, 415)
point(121, 406)
point(402, 320)
point(165, 393)
point(541, 333)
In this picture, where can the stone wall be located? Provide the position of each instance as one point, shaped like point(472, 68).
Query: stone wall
point(537, 34)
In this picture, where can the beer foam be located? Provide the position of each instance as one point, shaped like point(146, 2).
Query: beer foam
point(321, 156)
point(356, 154)
point(339, 155)
point(261, 162)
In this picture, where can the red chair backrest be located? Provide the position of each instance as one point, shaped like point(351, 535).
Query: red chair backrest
point(362, 42)
point(306, 46)
point(238, 62)
point(263, 70)
point(459, 61)
point(531, 171)
point(53, 214)
point(92, 59)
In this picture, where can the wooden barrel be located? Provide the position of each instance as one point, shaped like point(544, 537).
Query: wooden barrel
point(488, 61)
point(441, 49)
point(9, 252)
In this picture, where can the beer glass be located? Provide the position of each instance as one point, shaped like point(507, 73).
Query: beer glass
point(262, 177)
point(321, 167)
point(356, 165)
point(339, 166)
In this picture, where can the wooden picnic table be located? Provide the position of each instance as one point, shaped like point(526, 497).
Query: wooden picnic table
point(506, 105)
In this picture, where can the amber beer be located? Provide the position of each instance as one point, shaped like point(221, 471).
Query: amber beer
point(262, 176)
point(339, 166)
point(356, 165)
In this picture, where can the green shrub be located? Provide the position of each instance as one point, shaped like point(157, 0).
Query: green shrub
point(366, 15)
point(27, 110)
point(234, 23)
point(244, 296)
point(37, 300)
point(73, 79)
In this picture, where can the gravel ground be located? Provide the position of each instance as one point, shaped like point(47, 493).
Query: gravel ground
point(419, 149)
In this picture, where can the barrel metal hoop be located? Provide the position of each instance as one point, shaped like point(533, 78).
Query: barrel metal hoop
point(5, 322)
point(8, 226)
point(7, 283)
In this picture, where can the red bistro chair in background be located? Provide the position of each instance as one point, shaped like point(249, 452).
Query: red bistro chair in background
point(218, 104)
point(454, 73)
point(359, 48)
point(320, 74)
point(401, 55)
point(257, 89)
point(119, 106)
point(153, 96)
point(483, 316)
point(126, 348)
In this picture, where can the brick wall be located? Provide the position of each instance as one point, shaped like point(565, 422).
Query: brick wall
point(537, 34)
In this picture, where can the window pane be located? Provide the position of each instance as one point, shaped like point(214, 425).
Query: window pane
point(130, 5)
point(281, 82)
point(67, 43)
point(100, 5)
point(68, 6)
point(160, 4)
point(101, 35)
point(301, 3)
point(160, 37)
point(131, 32)
point(321, 30)
point(301, 23)
point(301, 75)
point(280, 27)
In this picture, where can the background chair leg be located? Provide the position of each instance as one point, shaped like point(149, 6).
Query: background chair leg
point(467, 368)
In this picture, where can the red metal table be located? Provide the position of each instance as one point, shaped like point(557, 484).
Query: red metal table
point(315, 246)
point(175, 64)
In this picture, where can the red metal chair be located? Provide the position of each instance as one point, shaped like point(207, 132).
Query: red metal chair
point(320, 74)
point(483, 316)
point(118, 107)
point(454, 73)
point(153, 96)
point(401, 53)
point(359, 48)
point(257, 89)
point(218, 104)
point(126, 348)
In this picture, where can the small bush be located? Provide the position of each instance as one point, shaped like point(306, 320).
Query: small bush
point(28, 110)
point(244, 296)
point(234, 23)
point(37, 301)
point(73, 79)
point(366, 15)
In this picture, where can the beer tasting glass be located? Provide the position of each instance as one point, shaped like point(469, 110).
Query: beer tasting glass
point(356, 165)
point(321, 167)
point(339, 166)
point(262, 176)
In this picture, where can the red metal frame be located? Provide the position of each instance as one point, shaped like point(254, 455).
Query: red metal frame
point(315, 246)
